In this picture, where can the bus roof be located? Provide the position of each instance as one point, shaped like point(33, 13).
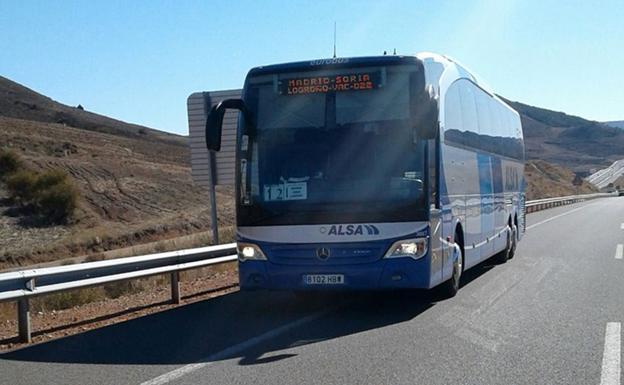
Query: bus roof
point(339, 62)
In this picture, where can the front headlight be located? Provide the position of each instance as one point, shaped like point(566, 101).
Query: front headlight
point(412, 248)
point(249, 251)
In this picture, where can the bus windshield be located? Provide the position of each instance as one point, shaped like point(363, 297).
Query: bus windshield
point(333, 146)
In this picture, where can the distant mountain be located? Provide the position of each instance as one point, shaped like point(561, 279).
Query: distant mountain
point(546, 180)
point(17, 101)
point(616, 123)
point(568, 140)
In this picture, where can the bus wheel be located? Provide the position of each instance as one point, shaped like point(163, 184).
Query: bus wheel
point(514, 240)
point(450, 288)
point(506, 254)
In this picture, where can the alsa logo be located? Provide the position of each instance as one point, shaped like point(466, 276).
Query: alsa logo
point(352, 230)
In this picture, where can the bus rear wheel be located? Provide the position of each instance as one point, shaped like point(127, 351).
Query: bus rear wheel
point(510, 248)
point(504, 255)
point(514, 240)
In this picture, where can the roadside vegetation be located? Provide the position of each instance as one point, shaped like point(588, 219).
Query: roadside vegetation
point(48, 197)
point(9, 163)
point(79, 297)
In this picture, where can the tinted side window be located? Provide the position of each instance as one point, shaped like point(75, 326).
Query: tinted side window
point(461, 120)
point(488, 122)
point(470, 119)
point(480, 122)
point(452, 115)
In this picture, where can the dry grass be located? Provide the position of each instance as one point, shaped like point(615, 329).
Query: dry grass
point(133, 190)
point(73, 298)
point(546, 180)
point(8, 311)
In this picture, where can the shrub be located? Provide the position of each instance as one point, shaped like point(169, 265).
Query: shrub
point(50, 195)
point(9, 163)
point(67, 299)
point(118, 289)
point(21, 185)
point(50, 179)
point(95, 257)
point(55, 202)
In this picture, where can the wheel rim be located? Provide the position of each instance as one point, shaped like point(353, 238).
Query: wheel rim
point(458, 269)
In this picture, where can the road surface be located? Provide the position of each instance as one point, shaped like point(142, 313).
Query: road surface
point(551, 315)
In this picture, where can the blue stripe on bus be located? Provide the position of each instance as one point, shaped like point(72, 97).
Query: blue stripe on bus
point(484, 165)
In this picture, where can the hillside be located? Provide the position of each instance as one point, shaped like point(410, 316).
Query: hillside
point(616, 123)
point(546, 180)
point(568, 140)
point(17, 101)
point(134, 182)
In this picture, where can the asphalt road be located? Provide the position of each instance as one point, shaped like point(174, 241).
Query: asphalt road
point(550, 316)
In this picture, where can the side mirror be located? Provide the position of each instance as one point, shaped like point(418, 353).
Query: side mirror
point(214, 121)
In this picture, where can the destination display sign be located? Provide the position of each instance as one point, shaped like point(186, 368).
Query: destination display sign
point(335, 83)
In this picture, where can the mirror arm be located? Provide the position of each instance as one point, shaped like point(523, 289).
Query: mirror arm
point(214, 121)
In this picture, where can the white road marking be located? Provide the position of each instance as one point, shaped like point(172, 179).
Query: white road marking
point(619, 251)
point(611, 356)
point(622, 226)
point(557, 216)
point(232, 350)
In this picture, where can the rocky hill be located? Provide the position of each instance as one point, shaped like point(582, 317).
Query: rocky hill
point(547, 180)
point(134, 182)
point(17, 101)
point(616, 123)
point(567, 140)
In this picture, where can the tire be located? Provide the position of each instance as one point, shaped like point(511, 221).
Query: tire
point(514, 241)
point(506, 254)
point(450, 288)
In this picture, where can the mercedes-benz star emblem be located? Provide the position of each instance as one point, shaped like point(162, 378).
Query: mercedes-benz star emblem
point(322, 253)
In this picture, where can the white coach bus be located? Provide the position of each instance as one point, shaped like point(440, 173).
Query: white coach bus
point(372, 173)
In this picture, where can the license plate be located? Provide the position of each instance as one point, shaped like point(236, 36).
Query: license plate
point(323, 279)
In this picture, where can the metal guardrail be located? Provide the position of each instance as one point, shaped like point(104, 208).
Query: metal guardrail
point(22, 285)
point(541, 204)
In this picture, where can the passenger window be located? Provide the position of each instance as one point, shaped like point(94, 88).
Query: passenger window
point(474, 119)
point(452, 109)
point(468, 107)
point(487, 123)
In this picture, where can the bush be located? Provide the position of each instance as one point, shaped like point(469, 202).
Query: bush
point(21, 186)
point(50, 195)
point(50, 179)
point(118, 289)
point(9, 163)
point(57, 202)
point(67, 299)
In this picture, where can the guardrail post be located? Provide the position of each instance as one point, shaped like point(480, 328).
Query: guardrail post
point(23, 320)
point(175, 287)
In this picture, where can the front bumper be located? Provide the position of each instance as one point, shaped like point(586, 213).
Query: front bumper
point(382, 274)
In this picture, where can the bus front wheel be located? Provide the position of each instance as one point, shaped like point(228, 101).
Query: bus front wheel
point(451, 287)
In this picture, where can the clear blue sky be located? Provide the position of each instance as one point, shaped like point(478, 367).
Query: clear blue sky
point(139, 60)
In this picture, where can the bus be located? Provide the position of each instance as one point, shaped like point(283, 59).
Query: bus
point(386, 172)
